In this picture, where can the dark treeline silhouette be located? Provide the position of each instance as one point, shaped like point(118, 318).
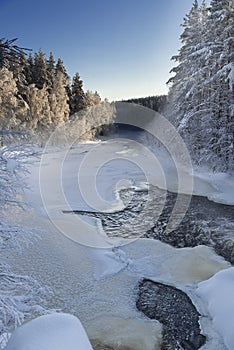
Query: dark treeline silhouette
point(157, 103)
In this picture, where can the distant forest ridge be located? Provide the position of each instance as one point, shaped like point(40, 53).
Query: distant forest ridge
point(157, 103)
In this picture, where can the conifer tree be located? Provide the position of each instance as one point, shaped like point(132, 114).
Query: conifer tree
point(9, 52)
point(51, 70)
point(61, 68)
point(91, 98)
point(221, 98)
point(12, 110)
point(39, 114)
point(58, 100)
point(201, 94)
point(40, 72)
point(77, 99)
point(28, 69)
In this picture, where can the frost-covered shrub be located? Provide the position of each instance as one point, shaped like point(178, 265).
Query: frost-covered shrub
point(20, 296)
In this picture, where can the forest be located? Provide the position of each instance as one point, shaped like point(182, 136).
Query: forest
point(157, 103)
point(37, 94)
point(201, 95)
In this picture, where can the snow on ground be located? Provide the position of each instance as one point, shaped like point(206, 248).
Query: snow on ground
point(221, 186)
point(100, 284)
point(217, 293)
point(217, 187)
point(54, 331)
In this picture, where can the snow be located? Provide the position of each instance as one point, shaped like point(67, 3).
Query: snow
point(12, 164)
point(54, 331)
point(231, 77)
point(217, 187)
point(217, 293)
point(159, 261)
point(99, 285)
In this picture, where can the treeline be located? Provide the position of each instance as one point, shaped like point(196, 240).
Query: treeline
point(36, 92)
point(201, 96)
point(157, 103)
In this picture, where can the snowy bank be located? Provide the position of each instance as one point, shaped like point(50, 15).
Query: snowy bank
point(217, 187)
point(217, 292)
point(54, 331)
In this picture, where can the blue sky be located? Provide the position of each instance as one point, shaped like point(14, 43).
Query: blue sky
point(120, 48)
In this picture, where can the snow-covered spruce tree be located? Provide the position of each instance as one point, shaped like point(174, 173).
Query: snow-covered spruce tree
point(12, 109)
point(62, 69)
point(92, 98)
point(58, 100)
point(40, 71)
point(220, 42)
point(182, 81)
point(201, 93)
point(77, 98)
point(38, 95)
point(17, 68)
point(51, 70)
point(28, 69)
point(9, 52)
point(20, 296)
point(39, 114)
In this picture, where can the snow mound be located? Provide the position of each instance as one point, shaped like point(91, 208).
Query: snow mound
point(217, 292)
point(56, 331)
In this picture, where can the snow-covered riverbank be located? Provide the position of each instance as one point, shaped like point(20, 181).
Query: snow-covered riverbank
point(96, 277)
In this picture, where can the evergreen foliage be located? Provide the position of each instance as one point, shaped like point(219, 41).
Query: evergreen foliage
point(77, 100)
point(35, 92)
point(201, 99)
point(9, 52)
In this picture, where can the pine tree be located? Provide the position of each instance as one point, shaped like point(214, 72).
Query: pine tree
point(28, 68)
point(77, 99)
point(61, 68)
point(58, 100)
point(40, 73)
point(51, 70)
point(9, 52)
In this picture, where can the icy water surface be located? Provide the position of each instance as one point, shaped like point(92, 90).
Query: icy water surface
point(205, 222)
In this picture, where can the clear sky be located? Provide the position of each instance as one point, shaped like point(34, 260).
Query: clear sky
point(121, 48)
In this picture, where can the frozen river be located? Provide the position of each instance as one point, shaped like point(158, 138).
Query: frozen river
point(94, 273)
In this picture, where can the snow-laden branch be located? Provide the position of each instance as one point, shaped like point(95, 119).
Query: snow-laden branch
point(20, 296)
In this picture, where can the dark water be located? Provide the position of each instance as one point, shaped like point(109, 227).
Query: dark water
point(147, 213)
